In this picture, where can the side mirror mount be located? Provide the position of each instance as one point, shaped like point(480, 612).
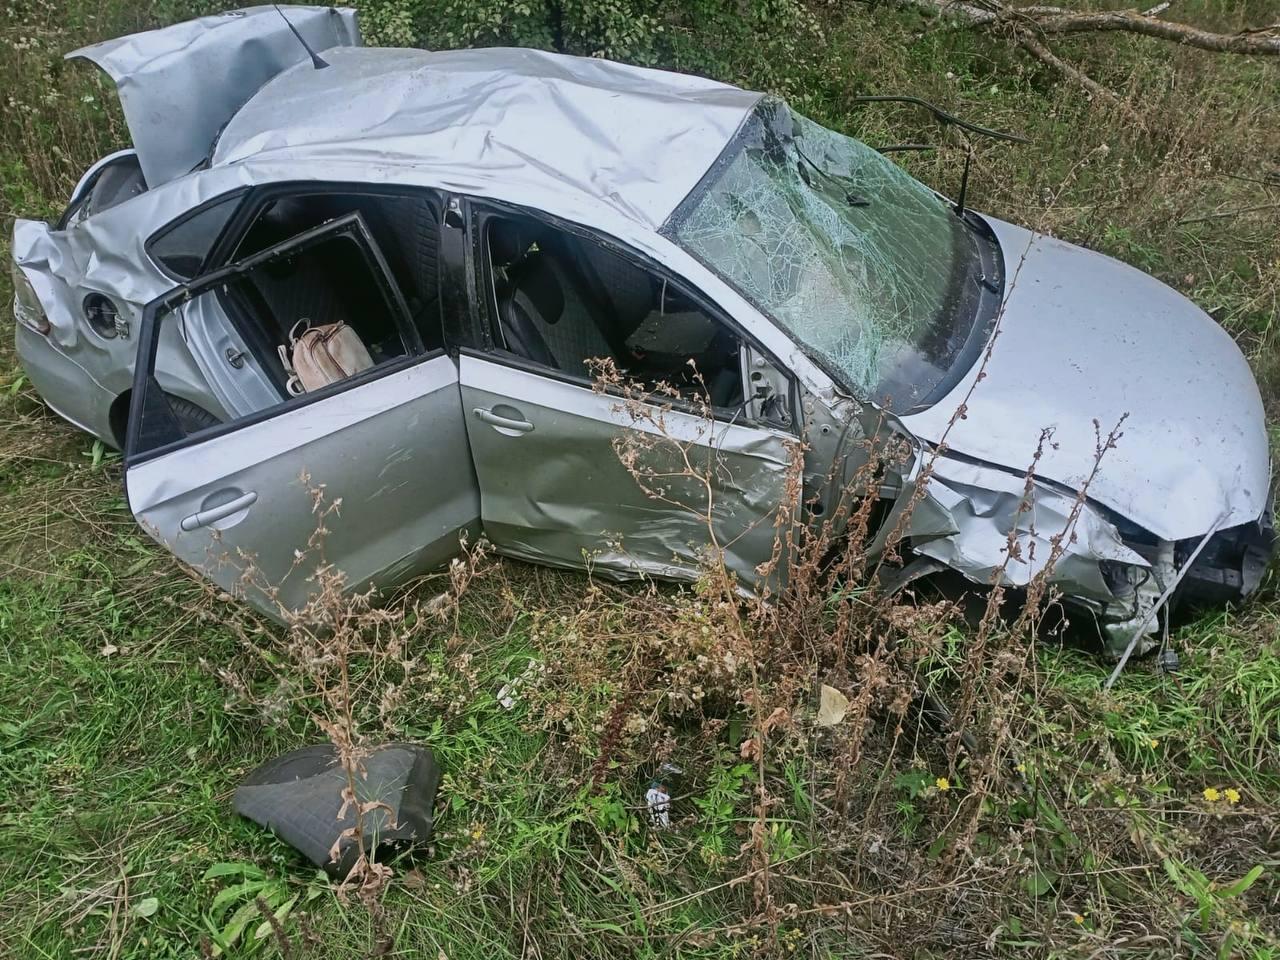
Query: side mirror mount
point(767, 389)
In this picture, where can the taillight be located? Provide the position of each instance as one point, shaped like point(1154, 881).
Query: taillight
point(26, 305)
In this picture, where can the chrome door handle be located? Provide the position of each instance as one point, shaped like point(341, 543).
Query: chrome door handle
point(220, 512)
point(501, 422)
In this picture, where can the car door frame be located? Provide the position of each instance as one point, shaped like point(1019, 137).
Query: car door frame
point(473, 273)
point(259, 195)
point(470, 268)
point(144, 380)
point(148, 400)
point(228, 386)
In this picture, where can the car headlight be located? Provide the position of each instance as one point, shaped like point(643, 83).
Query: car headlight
point(27, 309)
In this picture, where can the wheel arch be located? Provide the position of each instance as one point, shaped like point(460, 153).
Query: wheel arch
point(118, 417)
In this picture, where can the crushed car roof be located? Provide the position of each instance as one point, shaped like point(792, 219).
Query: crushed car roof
point(637, 140)
point(521, 123)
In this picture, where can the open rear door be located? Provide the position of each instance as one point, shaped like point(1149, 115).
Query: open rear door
point(371, 474)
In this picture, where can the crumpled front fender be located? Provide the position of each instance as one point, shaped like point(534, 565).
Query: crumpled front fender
point(968, 512)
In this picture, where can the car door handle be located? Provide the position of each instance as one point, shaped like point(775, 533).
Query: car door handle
point(502, 423)
point(220, 512)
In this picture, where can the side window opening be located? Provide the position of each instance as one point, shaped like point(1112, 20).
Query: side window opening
point(327, 293)
point(406, 228)
point(561, 300)
point(314, 311)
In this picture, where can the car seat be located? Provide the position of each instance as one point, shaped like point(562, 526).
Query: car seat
point(543, 314)
point(407, 230)
point(532, 303)
point(615, 289)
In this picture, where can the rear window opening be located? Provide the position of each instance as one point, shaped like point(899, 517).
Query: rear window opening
point(117, 180)
point(405, 227)
point(330, 283)
point(314, 311)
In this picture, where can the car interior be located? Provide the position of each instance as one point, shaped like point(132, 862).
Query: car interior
point(334, 282)
point(561, 300)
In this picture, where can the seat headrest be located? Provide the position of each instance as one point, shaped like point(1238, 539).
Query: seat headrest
point(508, 242)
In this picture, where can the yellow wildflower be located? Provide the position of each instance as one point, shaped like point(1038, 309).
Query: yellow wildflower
point(943, 784)
point(1022, 768)
point(1153, 743)
point(1077, 918)
point(1232, 795)
point(1211, 794)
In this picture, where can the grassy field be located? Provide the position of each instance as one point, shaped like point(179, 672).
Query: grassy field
point(1144, 821)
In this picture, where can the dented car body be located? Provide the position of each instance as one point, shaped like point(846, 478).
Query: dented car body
point(484, 223)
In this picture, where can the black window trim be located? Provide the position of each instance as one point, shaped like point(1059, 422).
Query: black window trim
point(480, 287)
point(161, 232)
point(145, 383)
point(253, 199)
point(262, 194)
point(458, 318)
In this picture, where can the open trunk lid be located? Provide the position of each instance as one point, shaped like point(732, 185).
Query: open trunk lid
point(180, 84)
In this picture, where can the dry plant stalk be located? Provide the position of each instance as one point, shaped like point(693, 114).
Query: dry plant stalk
point(685, 475)
point(313, 661)
point(831, 622)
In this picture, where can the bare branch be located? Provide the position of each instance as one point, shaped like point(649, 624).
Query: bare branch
point(1226, 214)
point(966, 13)
point(1261, 41)
point(1037, 49)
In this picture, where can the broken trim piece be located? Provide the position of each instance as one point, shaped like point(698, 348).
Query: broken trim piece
point(1163, 599)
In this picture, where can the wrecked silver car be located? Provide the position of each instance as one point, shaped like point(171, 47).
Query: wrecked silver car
point(386, 271)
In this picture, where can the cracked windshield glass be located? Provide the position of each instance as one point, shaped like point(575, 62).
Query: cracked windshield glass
point(869, 270)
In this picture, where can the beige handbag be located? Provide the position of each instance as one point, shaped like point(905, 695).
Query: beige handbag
point(319, 356)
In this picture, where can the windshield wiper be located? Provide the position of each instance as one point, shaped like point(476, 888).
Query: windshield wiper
point(945, 119)
point(852, 199)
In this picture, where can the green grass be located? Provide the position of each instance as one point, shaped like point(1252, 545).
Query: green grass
point(124, 726)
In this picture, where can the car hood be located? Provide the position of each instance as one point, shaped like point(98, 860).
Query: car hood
point(1084, 337)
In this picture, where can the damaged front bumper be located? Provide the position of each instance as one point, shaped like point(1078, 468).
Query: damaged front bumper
point(979, 521)
point(1222, 566)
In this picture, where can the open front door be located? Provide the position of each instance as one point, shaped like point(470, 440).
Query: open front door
point(370, 473)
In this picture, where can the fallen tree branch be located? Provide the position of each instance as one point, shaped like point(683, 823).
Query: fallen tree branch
point(1029, 26)
point(1264, 41)
point(1057, 21)
point(1225, 214)
point(1037, 49)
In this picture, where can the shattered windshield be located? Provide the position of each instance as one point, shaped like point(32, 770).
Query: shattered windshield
point(869, 270)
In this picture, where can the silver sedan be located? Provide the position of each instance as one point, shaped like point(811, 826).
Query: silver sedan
point(390, 270)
